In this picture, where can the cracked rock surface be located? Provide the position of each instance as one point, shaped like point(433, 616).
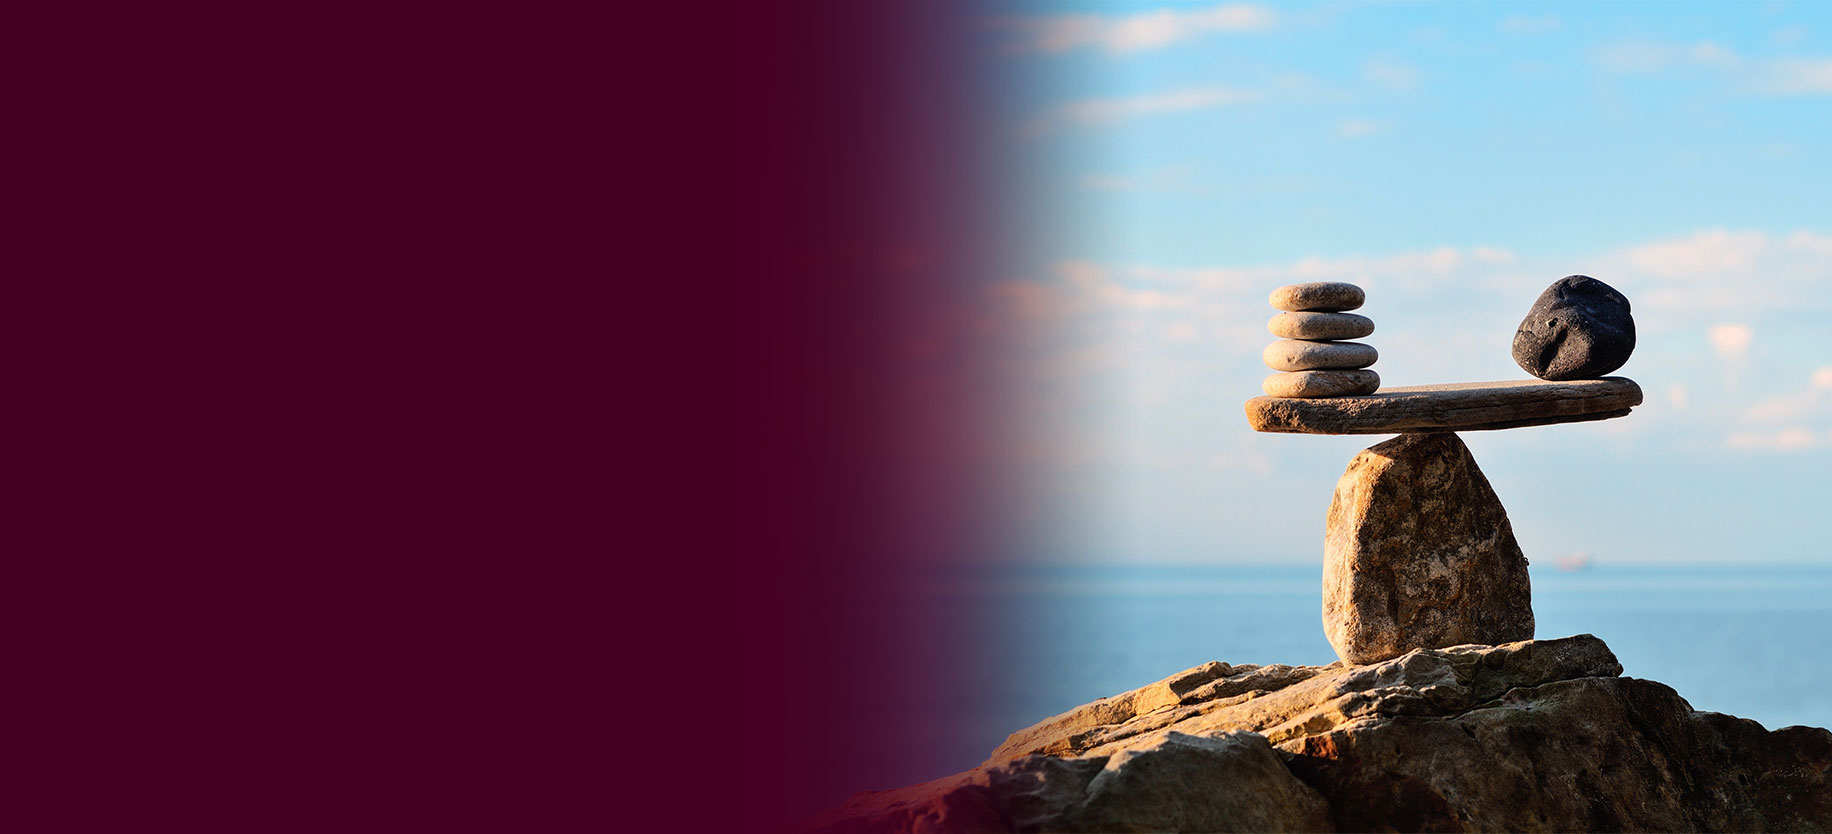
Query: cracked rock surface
point(1536, 735)
point(1418, 553)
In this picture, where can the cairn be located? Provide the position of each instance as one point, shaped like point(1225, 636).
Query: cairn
point(1418, 551)
point(1315, 360)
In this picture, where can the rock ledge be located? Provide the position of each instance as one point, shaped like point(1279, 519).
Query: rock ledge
point(1538, 735)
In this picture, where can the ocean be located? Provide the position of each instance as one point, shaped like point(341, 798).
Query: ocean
point(1751, 641)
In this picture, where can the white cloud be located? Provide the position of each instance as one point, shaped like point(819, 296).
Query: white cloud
point(1717, 273)
point(1651, 56)
point(1792, 439)
point(1787, 408)
point(1356, 128)
point(1391, 74)
point(1780, 422)
point(1176, 178)
point(1202, 279)
point(1523, 25)
point(1028, 300)
point(1720, 283)
point(1097, 110)
point(1217, 299)
point(1806, 241)
point(1711, 253)
point(1731, 341)
point(1102, 111)
point(1092, 281)
point(1706, 53)
point(1633, 56)
point(1111, 182)
point(1678, 397)
point(1794, 77)
point(1122, 34)
point(1772, 76)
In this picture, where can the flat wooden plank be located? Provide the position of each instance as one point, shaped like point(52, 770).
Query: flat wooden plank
point(1459, 406)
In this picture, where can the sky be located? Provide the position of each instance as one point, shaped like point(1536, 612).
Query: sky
point(1177, 162)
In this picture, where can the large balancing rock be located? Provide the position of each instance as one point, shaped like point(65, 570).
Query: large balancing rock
point(1579, 328)
point(1419, 554)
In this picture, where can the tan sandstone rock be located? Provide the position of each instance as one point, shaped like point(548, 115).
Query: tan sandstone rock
point(1300, 355)
point(1538, 735)
point(1320, 326)
point(1169, 782)
point(1322, 383)
point(1419, 554)
point(1318, 296)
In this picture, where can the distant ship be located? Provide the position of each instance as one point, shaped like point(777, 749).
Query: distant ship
point(1575, 562)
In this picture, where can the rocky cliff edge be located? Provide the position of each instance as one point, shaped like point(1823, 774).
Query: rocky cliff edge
point(1538, 735)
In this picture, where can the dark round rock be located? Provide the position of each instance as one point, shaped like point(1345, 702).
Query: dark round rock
point(1579, 328)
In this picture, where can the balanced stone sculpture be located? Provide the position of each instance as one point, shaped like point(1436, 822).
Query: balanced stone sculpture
point(1521, 735)
point(1418, 551)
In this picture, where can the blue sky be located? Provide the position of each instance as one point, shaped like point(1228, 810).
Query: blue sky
point(1179, 161)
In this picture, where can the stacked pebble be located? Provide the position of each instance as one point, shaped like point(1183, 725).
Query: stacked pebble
point(1316, 363)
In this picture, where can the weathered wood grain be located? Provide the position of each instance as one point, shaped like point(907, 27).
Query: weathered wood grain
point(1461, 406)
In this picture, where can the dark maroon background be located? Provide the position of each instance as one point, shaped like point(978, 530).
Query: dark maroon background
point(860, 398)
point(516, 418)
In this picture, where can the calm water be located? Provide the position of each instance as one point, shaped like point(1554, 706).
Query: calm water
point(1752, 642)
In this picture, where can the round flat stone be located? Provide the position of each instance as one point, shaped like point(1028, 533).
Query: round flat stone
point(1579, 328)
point(1321, 296)
point(1314, 384)
point(1299, 355)
point(1320, 326)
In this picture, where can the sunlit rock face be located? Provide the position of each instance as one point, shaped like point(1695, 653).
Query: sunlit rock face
point(1528, 736)
point(1418, 553)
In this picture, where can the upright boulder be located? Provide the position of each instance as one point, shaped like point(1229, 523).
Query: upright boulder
point(1419, 554)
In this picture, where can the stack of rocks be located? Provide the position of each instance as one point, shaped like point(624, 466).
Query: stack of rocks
point(1418, 551)
point(1314, 360)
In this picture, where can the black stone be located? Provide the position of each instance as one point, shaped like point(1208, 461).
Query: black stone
point(1579, 328)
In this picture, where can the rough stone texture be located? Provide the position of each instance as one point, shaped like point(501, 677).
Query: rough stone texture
point(1595, 754)
point(1115, 710)
point(1579, 328)
point(1297, 355)
point(1319, 296)
point(1419, 554)
point(1167, 782)
point(1289, 703)
point(1528, 736)
point(1320, 326)
point(1463, 406)
point(1321, 384)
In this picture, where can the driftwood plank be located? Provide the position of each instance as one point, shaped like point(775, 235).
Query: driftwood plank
point(1460, 406)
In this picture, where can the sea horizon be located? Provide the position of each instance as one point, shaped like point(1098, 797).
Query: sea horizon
point(1740, 639)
